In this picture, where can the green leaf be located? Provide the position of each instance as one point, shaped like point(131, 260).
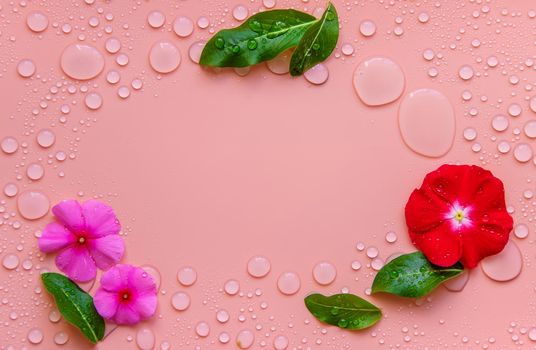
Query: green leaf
point(75, 305)
point(412, 276)
point(262, 37)
point(346, 311)
point(317, 43)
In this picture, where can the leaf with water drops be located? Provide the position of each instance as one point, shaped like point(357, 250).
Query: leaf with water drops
point(412, 276)
point(75, 305)
point(317, 43)
point(262, 37)
point(346, 311)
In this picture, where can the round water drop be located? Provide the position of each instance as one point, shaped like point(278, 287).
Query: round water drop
point(187, 276)
point(154, 273)
point(180, 301)
point(372, 252)
point(203, 22)
point(195, 50)
point(156, 19)
point(378, 81)
point(245, 339)
point(356, 265)
point(532, 104)
point(45, 138)
point(367, 28)
point(288, 283)
point(10, 261)
point(258, 266)
point(521, 231)
point(9, 145)
point(469, 134)
point(515, 110)
point(423, 17)
point(458, 283)
point(231, 287)
point(377, 264)
point(224, 337)
point(268, 3)
point(35, 171)
point(136, 84)
point(280, 64)
point(123, 92)
point(504, 266)
point(11, 190)
point(202, 329)
point(26, 68)
point(280, 342)
point(428, 54)
point(113, 77)
point(183, 26)
point(240, 12)
point(113, 45)
point(391, 237)
point(145, 339)
point(242, 71)
point(503, 147)
point(530, 129)
point(222, 316)
point(523, 152)
point(532, 334)
point(121, 59)
point(93, 100)
point(317, 74)
point(35, 336)
point(492, 61)
point(81, 61)
point(164, 57)
point(500, 123)
point(347, 49)
point(37, 21)
point(324, 273)
point(61, 338)
point(427, 123)
point(33, 204)
point(466, 72)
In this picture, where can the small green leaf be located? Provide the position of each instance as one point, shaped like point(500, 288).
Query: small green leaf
point(346, 311)
point(317, 43)
point(412, 276)
point(75, 305)
point(262, 37)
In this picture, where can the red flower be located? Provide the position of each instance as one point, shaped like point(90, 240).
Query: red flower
point(458, 214)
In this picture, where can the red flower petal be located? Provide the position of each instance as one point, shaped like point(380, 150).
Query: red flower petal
point(425, 211)
point(440, 245)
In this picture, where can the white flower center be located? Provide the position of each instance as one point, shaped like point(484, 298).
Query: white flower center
point(459, 216)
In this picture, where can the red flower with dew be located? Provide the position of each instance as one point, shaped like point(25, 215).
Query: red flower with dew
point(458, 214)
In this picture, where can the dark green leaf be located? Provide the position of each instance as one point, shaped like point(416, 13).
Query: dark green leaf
point(343, 310)
point(412, 276)
point(262, 37)
point(317, 43)
point(75, 305)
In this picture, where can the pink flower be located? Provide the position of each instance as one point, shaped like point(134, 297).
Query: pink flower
point(86, 237)
point(127, 295)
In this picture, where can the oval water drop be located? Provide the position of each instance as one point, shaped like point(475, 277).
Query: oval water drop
point(378, 81)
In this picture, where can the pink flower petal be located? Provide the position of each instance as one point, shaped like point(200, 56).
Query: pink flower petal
point(100, 219)
point(116, 278)
point(126, 314)
point(145, 305)
point(76, 262)
point(106, 303)
point(141, 282)
point(69, 213)
point(106, 251)
point(55, 237)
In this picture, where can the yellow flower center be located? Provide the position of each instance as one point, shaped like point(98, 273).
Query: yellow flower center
point(81, 240)
point(459, 216)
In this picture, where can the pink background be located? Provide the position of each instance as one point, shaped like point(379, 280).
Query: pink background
point(209, 169)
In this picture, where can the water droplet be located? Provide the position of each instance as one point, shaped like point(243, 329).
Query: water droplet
point(427, 123)
point(154, 273)
point(268, 3)
point(93, 100)
point(164, 57)
point(33, 204)
point(500, 123)
point(123, 92)
point(145, 339)
point(203, 22)
point(458, 283)
point(136, 84)
point(54, 316)
point(180, 301)
point(26, 68)
point(10, 261)
point(183, 26)
point(521, 231)
point(503, 147)
point(280, 64)
point(112, 45)
point(231, 287)
point(317, 75)
point(532, 334)
point(61, 338)
point(252, 44)
point(428, 54)
point(37, 21)
point(222, 316)
point(258, 266)
point(11, 190)
point(122, 59)
point(378, 81)
point(9, 145)
point(240, 12)
point(288, 283)
point(280, 342)
point(245, 339)
point(324, 273)
point(224, 337)
point(469, 134)
point(35, 336)
point(356, 265)
point(372, 252)
point(45, 138)
point(35, 171)
point(367, 28)
point(202, 329)
point(195, 50)
point(113, 77)
point(391, 237)
point(466, 72)
point(492, 61)
point(504, 266)
point(514, 110)
point(377, 264)
point(187, 276)
point(156, 19)
point(423, 17)
point(81, 61)
point(523, 152)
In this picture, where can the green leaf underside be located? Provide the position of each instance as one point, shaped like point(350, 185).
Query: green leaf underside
point(260, 38)
point(412, 276)
point(317, 43)
point(75, 305)
point(346, 311)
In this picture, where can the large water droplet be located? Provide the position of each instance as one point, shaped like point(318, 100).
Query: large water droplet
point(9, 145)
point(156, 19)
point(93, 100)
point(45, 138)
point(35, 171)
point(523, 152)
point(324, 273)
point(10, 261)
point(280, 342)
point(164, 57)
point(317, 75)
point(35, 336)
point(180, 301)
point(258, 266)
point(26, 68)
point(288, 283)
point(378, 81)
point(240, 12)
point(504, 266)
point(280, 64)
point(202, 329)
point(231, 287)
point(82, 61)
point(367, 28)
point(187, 276)
point(427, 123)
point(145, 339)
point(37, 21)
point(245, 339)
point(183, 26)
point(33, 205)
point(195, 50)
point(458, 283)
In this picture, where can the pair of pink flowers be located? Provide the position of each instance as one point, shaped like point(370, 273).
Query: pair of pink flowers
point(86, 237)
